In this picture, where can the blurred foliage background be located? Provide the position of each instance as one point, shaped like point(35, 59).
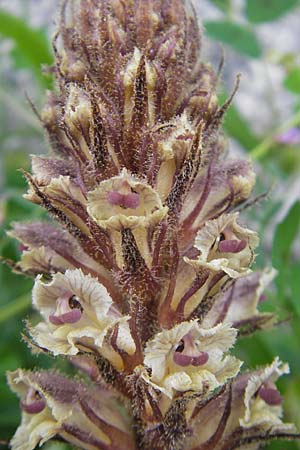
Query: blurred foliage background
point(260, 41)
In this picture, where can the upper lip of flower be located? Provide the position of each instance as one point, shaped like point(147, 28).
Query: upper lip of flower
point(225, 246)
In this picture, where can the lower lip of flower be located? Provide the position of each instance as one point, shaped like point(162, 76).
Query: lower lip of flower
point(131, 201)
point(33, 403)
point(271, 396)
point(33, 408)
point(200, 360)
point(232, 246)
point(185, 360)
point(72, 316)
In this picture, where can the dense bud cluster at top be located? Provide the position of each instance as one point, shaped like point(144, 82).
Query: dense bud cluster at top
point(143, 278)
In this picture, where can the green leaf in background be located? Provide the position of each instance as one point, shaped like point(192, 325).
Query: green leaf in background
point(15, 307)
point(31, 43)
point(258, 11)
point(295, 286)
point(285, 235)
point(55, 445)
point(238, 128)
point(292, 81)
point(224, 5)
point(237, 36)
point(12, 162)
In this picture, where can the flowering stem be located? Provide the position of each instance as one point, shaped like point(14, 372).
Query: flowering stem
point(264, 147)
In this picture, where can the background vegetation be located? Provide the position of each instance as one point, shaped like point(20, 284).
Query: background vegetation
point(24, 47)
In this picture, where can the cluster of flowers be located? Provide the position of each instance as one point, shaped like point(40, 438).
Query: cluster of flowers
point(145, 283)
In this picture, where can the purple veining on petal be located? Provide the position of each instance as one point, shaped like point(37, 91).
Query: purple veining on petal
point(33, 403)
point(131, 201)
point(271, 396)
point(232, 246)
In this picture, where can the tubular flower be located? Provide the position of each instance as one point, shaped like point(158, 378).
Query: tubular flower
point(190, 358)
point(248, 411)
point(145, 282)
point(78, 312)
point(225, 246)
point(262, 400)
point(125, 202)
point(54, 406)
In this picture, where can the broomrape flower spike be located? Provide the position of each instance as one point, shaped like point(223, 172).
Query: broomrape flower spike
point(143, 278)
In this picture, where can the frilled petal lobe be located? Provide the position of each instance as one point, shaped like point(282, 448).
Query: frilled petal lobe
point(263, 401)
point(188, 357)
point(125, 202)
point(53, 405)
point(78, 312)
point(225, 246)
point(38, 424)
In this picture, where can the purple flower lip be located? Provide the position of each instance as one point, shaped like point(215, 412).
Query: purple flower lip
point(232, 246)
point(33, 403)
point(271, 396)
point(68, 310)
point(131, 201)
point(33, 408)
point(200, 359)
point(69, 317)
point(187, 360)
